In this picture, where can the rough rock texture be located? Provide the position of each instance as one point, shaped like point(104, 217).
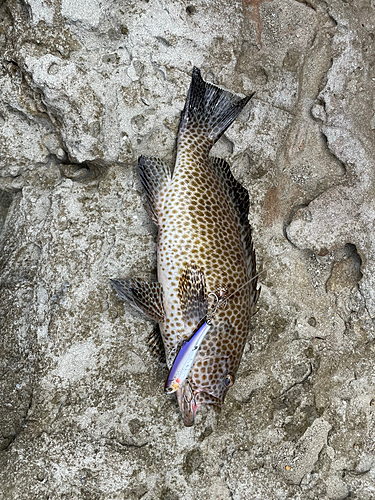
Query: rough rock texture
point(85, 88)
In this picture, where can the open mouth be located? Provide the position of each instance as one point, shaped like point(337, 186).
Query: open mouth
point(190, 402)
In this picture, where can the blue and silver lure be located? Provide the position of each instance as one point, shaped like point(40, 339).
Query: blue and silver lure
point(185, 357)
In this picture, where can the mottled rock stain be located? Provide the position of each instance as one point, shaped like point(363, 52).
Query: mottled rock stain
point(277, 201)
point(271, 206)
point(254, 14)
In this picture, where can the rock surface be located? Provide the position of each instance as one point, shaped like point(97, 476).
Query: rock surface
point(85, 88)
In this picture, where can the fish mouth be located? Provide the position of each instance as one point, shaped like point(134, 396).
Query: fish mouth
point(189, 403)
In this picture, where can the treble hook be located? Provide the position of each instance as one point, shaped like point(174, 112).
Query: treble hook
point(191, 392)
point(220, 302)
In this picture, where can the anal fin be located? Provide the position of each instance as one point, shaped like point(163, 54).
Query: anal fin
point(155, 176)
point(144, 296)
point(192, 295)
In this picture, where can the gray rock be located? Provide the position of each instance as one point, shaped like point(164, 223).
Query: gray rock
point(87, 87)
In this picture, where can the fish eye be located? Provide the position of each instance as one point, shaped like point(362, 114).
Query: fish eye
point(228, 381)
point(169, 389)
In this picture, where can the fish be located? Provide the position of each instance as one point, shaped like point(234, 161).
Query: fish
point(204, 252)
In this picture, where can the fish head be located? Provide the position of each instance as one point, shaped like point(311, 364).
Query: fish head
point(207, 386)
point(189, 403)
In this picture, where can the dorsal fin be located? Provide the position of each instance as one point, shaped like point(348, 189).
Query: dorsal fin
point(155, 176)
point(144, 296)
point(240, 198)
point(192, 295)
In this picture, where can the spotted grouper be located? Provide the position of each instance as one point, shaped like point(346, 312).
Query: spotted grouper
point(205, 250)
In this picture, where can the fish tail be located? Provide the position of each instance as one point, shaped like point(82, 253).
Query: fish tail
point(208, 112)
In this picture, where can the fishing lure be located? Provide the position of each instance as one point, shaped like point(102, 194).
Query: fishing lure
point(185, 358)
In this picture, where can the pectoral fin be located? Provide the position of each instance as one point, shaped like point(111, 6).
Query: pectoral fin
point(192, 295)
point(155, 176)
point(142, 295)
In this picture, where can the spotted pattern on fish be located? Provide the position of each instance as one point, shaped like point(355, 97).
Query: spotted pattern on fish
point(192, 296)
point(202, 216)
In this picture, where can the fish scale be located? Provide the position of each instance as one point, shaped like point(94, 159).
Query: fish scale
point(202, 215)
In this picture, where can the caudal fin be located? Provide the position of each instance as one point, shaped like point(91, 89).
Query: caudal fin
point(209, 111)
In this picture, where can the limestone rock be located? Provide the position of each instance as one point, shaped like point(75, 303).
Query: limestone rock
point(86, 88)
